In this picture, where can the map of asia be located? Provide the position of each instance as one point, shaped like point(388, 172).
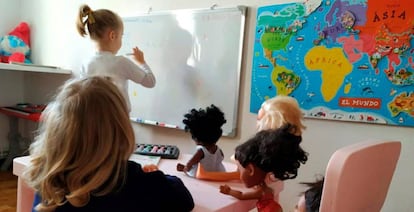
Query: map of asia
point(347, 60)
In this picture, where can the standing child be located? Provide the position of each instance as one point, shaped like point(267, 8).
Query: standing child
point(79, 159)
point(105, 28)
point(205, 128)
point(269, 151)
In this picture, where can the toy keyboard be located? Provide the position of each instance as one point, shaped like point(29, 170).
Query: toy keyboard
point(164, 151)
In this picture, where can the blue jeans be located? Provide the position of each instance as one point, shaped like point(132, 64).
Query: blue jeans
point(37, 199)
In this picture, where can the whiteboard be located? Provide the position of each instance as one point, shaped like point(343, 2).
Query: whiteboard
point(196, 58)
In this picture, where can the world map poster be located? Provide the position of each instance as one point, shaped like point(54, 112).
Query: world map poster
point(347, 60)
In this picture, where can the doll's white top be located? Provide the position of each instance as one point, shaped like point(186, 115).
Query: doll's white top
point(120, 69)
point(210, 162)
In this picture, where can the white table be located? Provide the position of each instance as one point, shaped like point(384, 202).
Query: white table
point(205, 193)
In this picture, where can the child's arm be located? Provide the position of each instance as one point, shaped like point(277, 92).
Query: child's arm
point(141, 73)
point(194, 160)
point(256, 194)
point(181, 197)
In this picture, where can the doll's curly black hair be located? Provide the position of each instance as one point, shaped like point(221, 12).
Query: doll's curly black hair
point(205, 125)
point(277, 151)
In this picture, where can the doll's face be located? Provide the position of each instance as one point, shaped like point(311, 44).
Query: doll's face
point(244, 175)
point(250, 175)
point(301, 205)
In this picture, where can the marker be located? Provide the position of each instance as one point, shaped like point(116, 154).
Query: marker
point(161, 124)
point(168, 125)
point(135, 119)
point(172, 126)
point(154, 149)
point(129, 54)
point(149, 122)
point(139, 120)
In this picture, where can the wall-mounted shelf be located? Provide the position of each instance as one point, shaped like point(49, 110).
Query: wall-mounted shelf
point(33, 68)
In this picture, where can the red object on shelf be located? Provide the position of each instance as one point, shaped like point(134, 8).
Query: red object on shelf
point(35, 116)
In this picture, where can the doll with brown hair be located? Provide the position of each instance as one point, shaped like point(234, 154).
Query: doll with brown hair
point(273, 114)
point(270, 151)
point(204, 126)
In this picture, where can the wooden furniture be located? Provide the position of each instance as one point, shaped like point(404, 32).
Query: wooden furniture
point(358, 176)
point(205, 193)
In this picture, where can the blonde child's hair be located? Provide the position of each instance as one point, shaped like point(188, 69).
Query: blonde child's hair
point(96, 23)
point(83, 144)
point(281, 110)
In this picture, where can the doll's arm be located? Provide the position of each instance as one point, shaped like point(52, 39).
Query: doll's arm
point(216, 176)
point(256, 194)
point(194, 160)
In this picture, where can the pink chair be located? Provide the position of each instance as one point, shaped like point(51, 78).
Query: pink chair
point(358, 177)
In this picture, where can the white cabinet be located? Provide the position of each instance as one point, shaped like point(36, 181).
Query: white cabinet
point(21, 84)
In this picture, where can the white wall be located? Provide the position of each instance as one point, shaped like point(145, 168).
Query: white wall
point(55, 42)
point(9, 15)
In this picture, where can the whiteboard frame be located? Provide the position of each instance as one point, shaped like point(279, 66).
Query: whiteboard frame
point(243, 12)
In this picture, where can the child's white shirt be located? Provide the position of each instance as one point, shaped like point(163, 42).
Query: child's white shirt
point(120, 69)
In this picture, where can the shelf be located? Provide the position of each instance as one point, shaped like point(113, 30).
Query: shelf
point(33, 68)
point(19, 114)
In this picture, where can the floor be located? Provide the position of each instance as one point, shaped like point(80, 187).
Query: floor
point(8, 191)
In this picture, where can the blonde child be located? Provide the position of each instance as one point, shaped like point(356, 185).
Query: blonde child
point(273, 114)
point(79, 159)
point(269, 151)
point(205, 128)
point(105, 28)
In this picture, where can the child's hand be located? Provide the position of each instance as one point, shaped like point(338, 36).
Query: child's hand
point(138, 55)
point(225, 189)
point(150, 168)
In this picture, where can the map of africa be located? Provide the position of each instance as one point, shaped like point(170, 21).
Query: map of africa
point(348, 60)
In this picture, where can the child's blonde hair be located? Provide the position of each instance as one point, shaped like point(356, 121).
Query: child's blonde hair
point(281, 110)
point(96, 23)
point(84, 142)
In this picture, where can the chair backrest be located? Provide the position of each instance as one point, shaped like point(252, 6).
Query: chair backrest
point(358, 176)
